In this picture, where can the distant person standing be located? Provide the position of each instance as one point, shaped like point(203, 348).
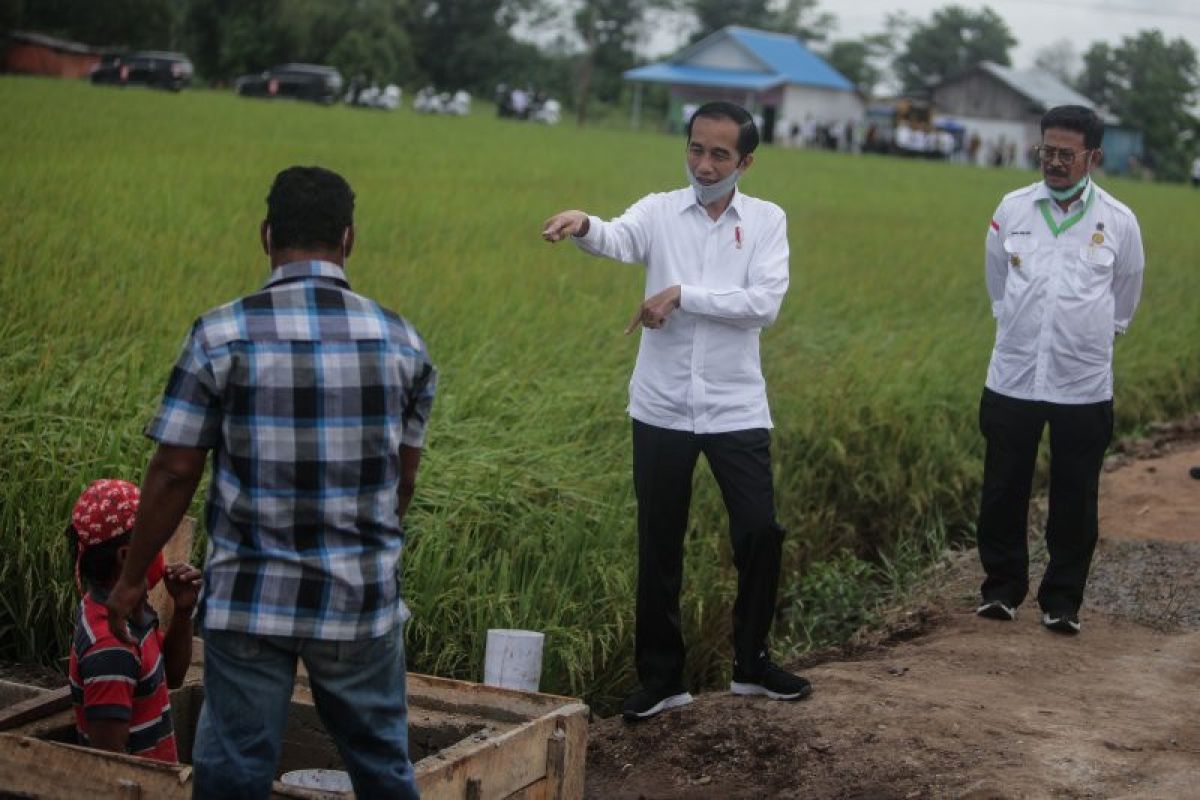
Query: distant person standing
point(716, 272)
point(1196, 172)
point(1064, 272)
point(519, 100)
point(314, 401)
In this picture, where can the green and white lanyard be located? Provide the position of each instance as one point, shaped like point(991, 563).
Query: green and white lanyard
point(1057, 228)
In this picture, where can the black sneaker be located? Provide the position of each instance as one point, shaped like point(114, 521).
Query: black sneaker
point(997, 609)
point(1062, 622)
point(775, 683)
point(644, 703)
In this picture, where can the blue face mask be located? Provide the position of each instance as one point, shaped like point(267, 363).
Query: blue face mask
point(1067, 194)
point(712, 192)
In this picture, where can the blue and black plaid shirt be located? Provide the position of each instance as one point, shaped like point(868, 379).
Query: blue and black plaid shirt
point(305, 392)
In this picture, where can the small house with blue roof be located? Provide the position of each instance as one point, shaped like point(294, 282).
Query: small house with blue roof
point(773, 75)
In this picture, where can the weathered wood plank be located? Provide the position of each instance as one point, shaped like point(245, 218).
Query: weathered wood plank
point(510, 745)
point(504, 765)
point(507, 705)
point(52, 771)
point(566, 779)
point(42, 705)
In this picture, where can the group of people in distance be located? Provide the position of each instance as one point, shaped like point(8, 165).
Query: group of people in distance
point(314, 400)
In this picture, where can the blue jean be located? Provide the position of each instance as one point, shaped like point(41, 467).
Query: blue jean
point(359, 691)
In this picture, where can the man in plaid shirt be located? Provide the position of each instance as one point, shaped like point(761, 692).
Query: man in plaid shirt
point(314, 402)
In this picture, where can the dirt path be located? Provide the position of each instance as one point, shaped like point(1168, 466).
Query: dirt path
point(973, 708)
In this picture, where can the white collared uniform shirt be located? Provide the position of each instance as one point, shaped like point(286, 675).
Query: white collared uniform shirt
point(700, 372)
point(1059, 299)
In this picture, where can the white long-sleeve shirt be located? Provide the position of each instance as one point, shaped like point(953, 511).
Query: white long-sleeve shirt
point(701, 372)
point(1060, 298)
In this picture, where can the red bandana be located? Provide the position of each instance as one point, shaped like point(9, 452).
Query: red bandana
point(104, 511)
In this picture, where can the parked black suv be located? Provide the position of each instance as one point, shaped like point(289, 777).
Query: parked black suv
point(146, 68)
point(300, 81)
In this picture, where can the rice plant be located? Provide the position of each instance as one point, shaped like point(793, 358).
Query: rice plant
point(126, 214)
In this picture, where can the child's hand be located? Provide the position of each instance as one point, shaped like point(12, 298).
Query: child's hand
point(183, 584)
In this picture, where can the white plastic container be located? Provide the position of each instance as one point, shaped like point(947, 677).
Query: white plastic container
point(330, 780)
point(513, 659)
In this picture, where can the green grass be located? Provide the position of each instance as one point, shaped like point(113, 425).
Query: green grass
point(125, 214)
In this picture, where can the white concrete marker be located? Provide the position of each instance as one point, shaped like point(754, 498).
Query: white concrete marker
point(513, 659)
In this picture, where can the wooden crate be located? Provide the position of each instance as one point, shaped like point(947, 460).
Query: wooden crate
point(468, 741)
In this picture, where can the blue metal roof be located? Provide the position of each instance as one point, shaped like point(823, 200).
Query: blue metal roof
point(786, 60)
point(666, 72)
point(787, 56)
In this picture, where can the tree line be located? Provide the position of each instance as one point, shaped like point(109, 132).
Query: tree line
point(1150, 83)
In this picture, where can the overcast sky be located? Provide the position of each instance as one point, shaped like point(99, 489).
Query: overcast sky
point(1035, 24)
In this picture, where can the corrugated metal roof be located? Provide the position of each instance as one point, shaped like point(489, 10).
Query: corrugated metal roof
point(61, 45)
point(1043, 88)
point(666, 72)
point(787, 56)
point(786, 60)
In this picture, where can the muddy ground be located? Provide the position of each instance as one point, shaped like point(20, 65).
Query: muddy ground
point(953, 706)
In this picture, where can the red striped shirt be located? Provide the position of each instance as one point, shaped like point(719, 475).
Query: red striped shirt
point(114, 681)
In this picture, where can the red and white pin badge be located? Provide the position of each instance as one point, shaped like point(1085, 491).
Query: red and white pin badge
point(737, 236)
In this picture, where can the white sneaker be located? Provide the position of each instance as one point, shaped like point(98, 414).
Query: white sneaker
point(643, 704)
point(997, 609)
point(1062, 623)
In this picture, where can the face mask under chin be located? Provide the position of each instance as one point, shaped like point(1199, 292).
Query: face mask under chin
point(1068, 193)
point(712, 192)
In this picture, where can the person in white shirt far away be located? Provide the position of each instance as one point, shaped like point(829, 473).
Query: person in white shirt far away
point(716, 271)
point(1064, 267)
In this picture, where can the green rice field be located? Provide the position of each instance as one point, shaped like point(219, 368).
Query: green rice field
point(125, 214)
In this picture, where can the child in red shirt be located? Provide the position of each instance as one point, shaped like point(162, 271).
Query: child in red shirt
point(120, 690)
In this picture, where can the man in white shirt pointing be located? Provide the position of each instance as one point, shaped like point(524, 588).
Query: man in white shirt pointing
point(1064, 273)
point(716, 271)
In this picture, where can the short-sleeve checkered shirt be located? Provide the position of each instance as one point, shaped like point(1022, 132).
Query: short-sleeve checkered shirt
point(305, 392)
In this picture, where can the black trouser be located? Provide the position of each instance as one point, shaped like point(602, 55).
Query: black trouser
point(1079, 435)
point(663, 462)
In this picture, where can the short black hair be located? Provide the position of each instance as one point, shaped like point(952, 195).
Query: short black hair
point(309, 207)
point(1076, 118)
point(98, 566)
point(747, 141)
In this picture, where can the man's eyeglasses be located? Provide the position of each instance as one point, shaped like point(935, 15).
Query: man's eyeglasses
point(1065, 155)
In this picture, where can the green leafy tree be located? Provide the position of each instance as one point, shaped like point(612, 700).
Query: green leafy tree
point(609, 30)
point(11, 14)
point(227, 38)
point(953, 41)
point(859, 59)
point(798, 17)
point(1060, 59)
point(466, 43)
point(368, 38)
point(1150, 84)
point(134, 24)
point(1097, 81)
